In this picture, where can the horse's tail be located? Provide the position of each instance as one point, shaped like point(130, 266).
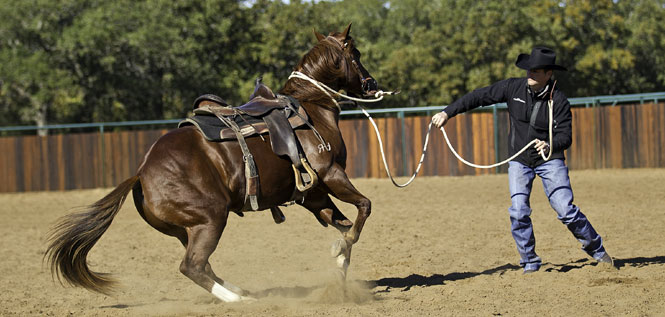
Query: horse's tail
point(74, 235)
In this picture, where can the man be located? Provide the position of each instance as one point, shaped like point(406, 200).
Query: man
point(529, 119)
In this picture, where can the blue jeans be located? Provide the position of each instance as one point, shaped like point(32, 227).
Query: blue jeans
point(556, 183)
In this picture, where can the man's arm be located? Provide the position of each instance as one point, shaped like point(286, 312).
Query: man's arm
point(480, 97)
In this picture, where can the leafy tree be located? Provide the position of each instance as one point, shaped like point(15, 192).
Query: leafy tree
point(89, 60)
point(150, 59)
point(33, 82)
point(590, 38)
point(647, 44)
point(446, 48)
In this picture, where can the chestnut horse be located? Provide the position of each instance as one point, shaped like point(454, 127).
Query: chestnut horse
point(186, 186)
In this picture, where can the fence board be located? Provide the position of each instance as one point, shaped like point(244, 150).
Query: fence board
point(659, 134)
point(6, 164)
point(629, 135)
point(614, 157)
point(575, 154)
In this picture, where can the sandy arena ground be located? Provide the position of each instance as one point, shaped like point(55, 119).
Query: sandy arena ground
point(440, 247)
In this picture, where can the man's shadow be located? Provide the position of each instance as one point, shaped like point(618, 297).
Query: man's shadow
point(404, 284)
point(639, 261)
point(618, 263)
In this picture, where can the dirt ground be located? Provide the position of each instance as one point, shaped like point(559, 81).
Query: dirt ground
point(441, 246)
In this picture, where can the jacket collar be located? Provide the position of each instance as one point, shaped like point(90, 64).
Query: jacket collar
point(541, 94)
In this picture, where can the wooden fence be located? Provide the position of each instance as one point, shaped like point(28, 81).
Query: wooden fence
point(624, 136)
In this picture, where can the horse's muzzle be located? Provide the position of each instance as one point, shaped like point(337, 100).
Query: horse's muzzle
point(370, 86)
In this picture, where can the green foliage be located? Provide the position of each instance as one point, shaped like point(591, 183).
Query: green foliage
point(64, 61)
point(33, 84)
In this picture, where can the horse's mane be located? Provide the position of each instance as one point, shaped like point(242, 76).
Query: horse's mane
point(324, 62)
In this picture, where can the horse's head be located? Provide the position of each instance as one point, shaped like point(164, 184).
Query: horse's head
point(335, 62)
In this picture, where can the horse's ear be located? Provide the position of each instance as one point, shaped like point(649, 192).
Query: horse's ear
point(345, 34)
point(319, 36)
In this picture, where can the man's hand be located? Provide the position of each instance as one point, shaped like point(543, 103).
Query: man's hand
point(542, 146)
point(440, 119)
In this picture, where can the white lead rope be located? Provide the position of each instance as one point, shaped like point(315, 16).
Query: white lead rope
point(383, 155)
point(546, 158)
point(379, 96)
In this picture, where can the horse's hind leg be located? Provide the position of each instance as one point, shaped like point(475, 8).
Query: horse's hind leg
point(202, 241)
point(243, 294)
point(148, 215)
point(211, 273)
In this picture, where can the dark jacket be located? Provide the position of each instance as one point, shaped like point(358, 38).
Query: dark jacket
point(520, 100)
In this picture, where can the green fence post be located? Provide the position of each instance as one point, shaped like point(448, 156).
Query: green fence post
point(400, 115)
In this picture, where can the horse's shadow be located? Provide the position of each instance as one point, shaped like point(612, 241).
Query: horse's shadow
point(404, 284)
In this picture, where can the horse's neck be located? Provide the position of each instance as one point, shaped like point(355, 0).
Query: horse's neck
point(319, 105)
point(322, 115)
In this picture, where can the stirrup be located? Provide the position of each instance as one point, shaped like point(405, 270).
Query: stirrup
point(300, 184)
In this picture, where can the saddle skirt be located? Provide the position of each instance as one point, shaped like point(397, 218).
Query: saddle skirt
point(248, 117)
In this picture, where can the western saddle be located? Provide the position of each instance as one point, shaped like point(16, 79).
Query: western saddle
point(276, 115)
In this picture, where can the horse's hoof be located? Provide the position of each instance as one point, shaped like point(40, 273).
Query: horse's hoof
point(338, 247)
point(225, 294)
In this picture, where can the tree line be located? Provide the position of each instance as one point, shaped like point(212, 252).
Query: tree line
point(70, 61)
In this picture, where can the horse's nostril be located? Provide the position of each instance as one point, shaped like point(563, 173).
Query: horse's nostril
point(370, 84)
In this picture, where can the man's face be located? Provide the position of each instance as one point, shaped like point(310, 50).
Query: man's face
point(537, 78)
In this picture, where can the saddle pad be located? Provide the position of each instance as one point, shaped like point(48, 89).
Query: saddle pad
point(214, 129)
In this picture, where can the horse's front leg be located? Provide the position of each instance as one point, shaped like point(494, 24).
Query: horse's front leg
point(318, 202)
point(340, 186)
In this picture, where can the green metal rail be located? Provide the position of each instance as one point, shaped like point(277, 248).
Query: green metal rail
point(399, 112)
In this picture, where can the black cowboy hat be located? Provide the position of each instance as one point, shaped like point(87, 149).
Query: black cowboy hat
point(541, 57)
